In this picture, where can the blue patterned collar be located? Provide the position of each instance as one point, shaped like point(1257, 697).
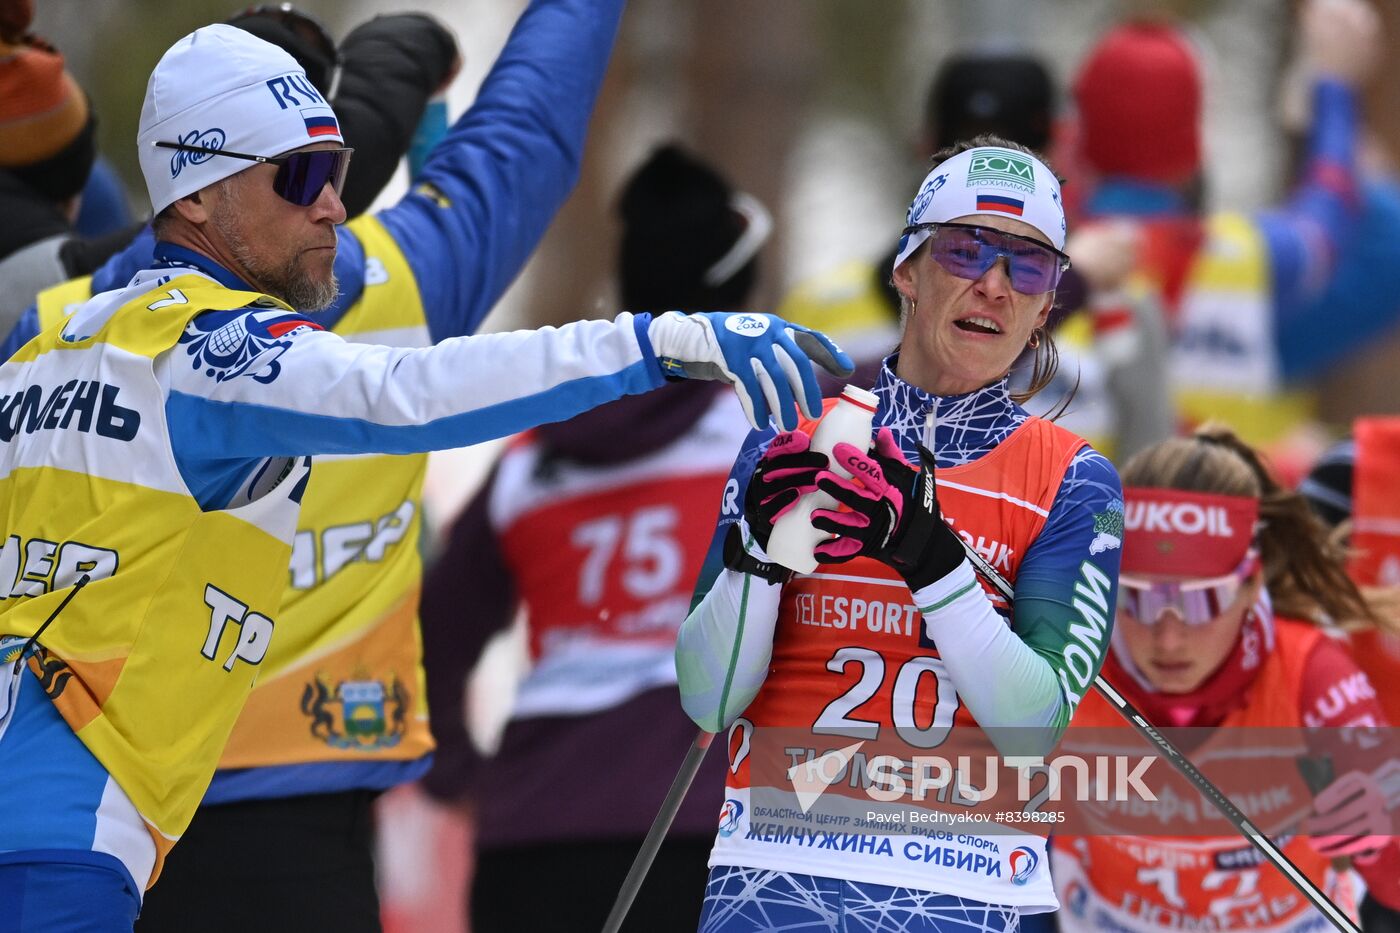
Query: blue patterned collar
point(967, 426)
point(168, 254)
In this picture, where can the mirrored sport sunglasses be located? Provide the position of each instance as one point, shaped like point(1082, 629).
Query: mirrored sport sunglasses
point(300, 176)
point(968, 251)
point(1195, 601)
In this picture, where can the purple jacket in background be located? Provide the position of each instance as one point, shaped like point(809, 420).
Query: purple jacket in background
point(554, 778)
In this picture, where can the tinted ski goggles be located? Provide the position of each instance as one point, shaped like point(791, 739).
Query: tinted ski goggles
point(300, 177)
point(968, 251)
point(1197, 602)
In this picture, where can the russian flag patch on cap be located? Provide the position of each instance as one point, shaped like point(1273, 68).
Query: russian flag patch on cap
point(320, 122)
point(1001, 203)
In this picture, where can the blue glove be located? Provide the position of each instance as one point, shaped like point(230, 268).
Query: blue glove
point(767, 360)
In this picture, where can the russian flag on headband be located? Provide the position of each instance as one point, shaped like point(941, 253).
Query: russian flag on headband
point(1001, 203)
point(320, 122)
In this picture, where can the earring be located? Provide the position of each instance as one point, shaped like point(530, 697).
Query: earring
point(1034, 342)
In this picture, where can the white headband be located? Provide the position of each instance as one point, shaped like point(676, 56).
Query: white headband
point(223, 88)
point(987, 181)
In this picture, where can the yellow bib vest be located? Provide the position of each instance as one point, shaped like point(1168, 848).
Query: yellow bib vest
point(57, 303)
point(151, 663)
point(344, 681)
point(1225, 359)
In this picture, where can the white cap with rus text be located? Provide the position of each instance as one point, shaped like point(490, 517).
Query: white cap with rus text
point(223, 88)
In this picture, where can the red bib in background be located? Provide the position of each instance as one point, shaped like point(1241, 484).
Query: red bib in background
point(1375, 547)
point(1375, 533)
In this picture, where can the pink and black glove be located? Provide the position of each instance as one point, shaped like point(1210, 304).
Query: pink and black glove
point(894, 515)
point(787, 472)
point(1349, 818)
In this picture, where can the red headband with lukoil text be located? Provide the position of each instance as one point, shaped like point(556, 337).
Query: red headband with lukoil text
point(1177, 533)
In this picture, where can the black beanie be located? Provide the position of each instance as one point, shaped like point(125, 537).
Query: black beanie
point(65, 173)
point(1327, 487)
point(678, 222)
point(1008, 94)
point(307, 42)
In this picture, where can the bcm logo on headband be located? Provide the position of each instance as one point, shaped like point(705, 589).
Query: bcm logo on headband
point(1001, 168)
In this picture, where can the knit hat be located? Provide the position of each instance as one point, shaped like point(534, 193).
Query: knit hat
point(46, 134)
point(223, 88)
point(689, 241)
point(1328, 486)
point(1003, 93)
point(1139, 100)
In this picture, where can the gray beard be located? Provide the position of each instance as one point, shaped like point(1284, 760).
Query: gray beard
point(283, 281)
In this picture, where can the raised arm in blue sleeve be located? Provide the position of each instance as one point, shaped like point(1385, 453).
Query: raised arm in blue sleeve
point(1305, 234)
point(1362, 297)
point(492, 185)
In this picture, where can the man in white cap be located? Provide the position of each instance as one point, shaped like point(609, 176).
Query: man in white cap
point(302, 765)
point(152, 447)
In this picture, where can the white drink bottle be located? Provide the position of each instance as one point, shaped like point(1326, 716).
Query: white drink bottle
point(794, 539)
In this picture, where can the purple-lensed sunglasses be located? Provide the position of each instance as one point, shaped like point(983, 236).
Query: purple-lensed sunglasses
point(969, 250)
point(300, 177)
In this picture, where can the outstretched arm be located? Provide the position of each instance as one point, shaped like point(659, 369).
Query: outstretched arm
point(308, 391)
point(250, 384)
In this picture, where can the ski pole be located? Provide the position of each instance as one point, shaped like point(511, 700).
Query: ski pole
point(1227, 808)
point(647, 854)
point(82, 582)
point(637, 873)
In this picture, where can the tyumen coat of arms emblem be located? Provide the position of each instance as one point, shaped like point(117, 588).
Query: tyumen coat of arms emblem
point(371, 712)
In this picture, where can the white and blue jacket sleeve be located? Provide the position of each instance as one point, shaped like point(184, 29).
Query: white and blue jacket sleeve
point(297, 389)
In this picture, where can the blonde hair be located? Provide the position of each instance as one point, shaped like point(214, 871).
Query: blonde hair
point(1303, 565)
